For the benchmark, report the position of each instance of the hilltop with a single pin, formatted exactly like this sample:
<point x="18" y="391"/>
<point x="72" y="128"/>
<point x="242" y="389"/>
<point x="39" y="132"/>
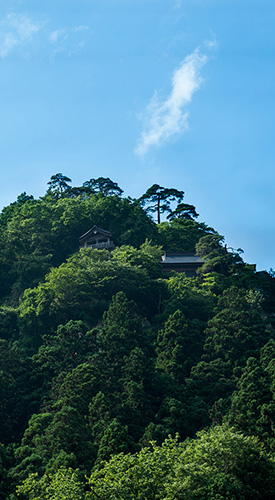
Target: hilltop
<point x="103" y="353"/>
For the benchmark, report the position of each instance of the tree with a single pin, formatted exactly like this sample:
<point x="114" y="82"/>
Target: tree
<point x="147" y="257"/>
<point x="52" y="440"/>
<point x="237" y="331"/>
<point x="10" y="211"/>
<point x="252" y="404"/>
<point x="11" y="400"/>
<point x="139" y="387"/>
<point x="189" y="296"/>
<point x="103" y="185"/>
<point x="173" y="415"/>
<point x="71" y="346"/>
<point x="59" y="183"/>
<point x="183" y="211"/>
<point x="32" y="453"/>
<point x="216" y="256"/>
<point x="6" y="460"/>
<point x="252" y="395"/>
<point x="114" y="440"/>
<point x="159" y="199"/>
<point x="207" y="383"/>
<point x="224" y="464"/>
<point x="100" y="411"/>
<point x="77" y="388"/>
<point x="219" y="464"/>
<point x="39" y="234"/>
<point x="65" y="484"/>
<point x="82" y="288"/>
<point x="181" y="234"/>
<point x="179" y="346"/>
<point x="128" y="477"/>
<point x="121" y="332"/>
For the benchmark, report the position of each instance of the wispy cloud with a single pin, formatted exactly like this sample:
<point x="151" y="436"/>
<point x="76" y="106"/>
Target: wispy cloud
<point x="58" y="34"/>
<point x="164" y="119"/>
<point x="177" y="4"/>
<point x="16" y="30"/>
<point x="67" y="40"/>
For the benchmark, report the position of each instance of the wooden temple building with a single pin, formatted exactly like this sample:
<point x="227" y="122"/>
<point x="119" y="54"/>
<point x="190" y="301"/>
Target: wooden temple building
<point x="97" y="238"/>
<point x="181" y="262"/>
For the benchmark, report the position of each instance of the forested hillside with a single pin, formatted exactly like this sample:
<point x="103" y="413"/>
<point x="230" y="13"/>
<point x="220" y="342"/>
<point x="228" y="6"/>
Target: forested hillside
<point x="118" y="381"/>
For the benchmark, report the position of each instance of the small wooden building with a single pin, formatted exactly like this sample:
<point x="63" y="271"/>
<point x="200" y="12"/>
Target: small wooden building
<point x="181" y="262"/>
<point x="97" y="238"/>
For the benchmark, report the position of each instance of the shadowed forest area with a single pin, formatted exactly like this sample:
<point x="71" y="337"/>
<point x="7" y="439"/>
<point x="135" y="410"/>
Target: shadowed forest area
<point x="119" y="381"/>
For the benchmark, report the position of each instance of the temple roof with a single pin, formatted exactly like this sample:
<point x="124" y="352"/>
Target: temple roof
<point x="95" y="230"/>
<point x="181" y="258"/>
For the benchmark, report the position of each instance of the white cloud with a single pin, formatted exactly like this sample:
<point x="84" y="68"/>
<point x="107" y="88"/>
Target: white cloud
<point x="67" y="40"/>
<point x="15" y="30"/>
<point x="211" y="44"/>
<point x="57" y="34"/>
<point x="177" y="4"/>
<point x="165" y="119"/>
<point x="81" y="28"/>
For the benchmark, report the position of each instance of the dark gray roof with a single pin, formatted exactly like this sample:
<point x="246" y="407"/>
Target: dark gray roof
<point x="95" y="230"/>
<point x="181" y="258"/>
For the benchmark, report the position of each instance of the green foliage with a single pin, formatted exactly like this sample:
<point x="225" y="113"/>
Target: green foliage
<point x="121" y="327"/>
<point x="12" y="380"/>
<point x="143" y="475"/>
<point x="71" y="346"/>
<point x="173" y="415"/>
<point x="37" y="234"/>
<point x="220" y="464"/>
<point x="100" y="353"/>
<point x="53" y="440"/>
<point x="65" y="484"/>
<point x="8" y="322"/>
<point x="252" y="407"/>
<point x="81" y="289"/>
<point x="77" y="388"/>
<point x="103" y="185"/>
<point x="237" y="330"/>
<point x="183" y="211"/>
<point x="211" y="380"/>
<point x="191" y="297"/>
<point x="32" y="455"/>
<point x="11" y="210"/>
<point x="181" y="235"/>
<point x="6" y="462"/>
<point x="59" y="183"/>
<point x="114" y="440"/>
<point x="147" y="257"/>
<point x="159" y="199"/>
<point x="138" y="398"/>
<point x="179" y="346"/>
<point x="216" y="256"/>
<point x="100" y="411"/>
<point x="207" y="384"/>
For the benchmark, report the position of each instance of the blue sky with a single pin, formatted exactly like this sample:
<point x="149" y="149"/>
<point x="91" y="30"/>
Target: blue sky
<point x="174" y="92"/>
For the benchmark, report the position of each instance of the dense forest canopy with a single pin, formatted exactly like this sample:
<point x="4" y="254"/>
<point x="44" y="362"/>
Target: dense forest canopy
<point x="118" y="381"/>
